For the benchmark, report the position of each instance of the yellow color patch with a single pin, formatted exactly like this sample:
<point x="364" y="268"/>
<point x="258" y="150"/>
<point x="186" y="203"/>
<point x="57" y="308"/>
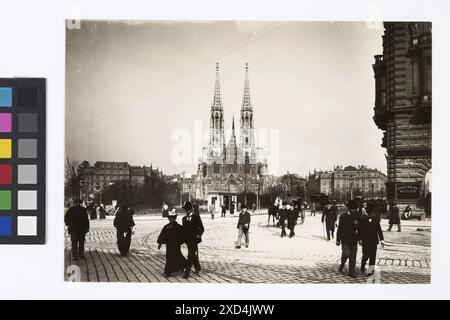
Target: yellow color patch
<point x="5" y="148"/>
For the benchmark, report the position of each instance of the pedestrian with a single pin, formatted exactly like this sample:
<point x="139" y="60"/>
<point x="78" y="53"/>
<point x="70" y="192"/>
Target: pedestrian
<point x="243" y="226"/>
<point x="370" y="235"/>
<point x="394" y="217"/>
<point x="193" y="229"/>
<point x="91" y="209"/>
<point x="165" y="210"/>
<point x="224" y="211"/>
<point x="196" y="209"/>
<point x="102" y="211"/>
<point x="313" y="209"/>
<point x="283" y="218"/>
<point x="124" y="224"/>
<point x="407" y="213"/>
<point x="378" y="208"/>
<point x="364" y="209"/>
<point x="77" y="221"/>
<point x="212" y="208"/>
<point x="292" y="216"/>
<point x="232" y="207"/>
<point x="254" y="207"/>
<point x="329" y="217"/>
<point x="347" y="237"/>
<point x="173" y="236"/>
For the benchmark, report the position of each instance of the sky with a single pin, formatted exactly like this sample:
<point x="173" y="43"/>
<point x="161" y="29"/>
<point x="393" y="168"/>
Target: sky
<point x="141" y="91"/>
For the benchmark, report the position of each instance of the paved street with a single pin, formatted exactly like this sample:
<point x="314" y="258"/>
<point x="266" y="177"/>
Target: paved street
<point x="306" y="258"/>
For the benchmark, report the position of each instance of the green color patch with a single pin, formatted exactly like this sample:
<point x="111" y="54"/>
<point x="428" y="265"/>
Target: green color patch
<point x="5" y="200"/>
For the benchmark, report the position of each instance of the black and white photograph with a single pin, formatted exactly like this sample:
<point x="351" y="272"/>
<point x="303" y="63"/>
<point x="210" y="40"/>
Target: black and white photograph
<point x="248" y="152"/>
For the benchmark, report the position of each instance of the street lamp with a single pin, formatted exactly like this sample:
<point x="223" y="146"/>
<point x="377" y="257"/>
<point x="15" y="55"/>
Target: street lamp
<point x="351" y="187"/>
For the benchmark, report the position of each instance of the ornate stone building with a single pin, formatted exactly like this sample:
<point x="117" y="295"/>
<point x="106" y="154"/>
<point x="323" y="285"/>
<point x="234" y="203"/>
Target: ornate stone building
<point x="97" y="177"/>
<point x="403" y="108"/>
<point x="343" y="184"/>
<point x="227" y="169"/>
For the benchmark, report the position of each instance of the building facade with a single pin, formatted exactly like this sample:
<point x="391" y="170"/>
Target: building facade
<point x="403" y="108"/>
<point x="343" y="184"/>
<point x="227" y="169"/>
<point x="97" y="177"/>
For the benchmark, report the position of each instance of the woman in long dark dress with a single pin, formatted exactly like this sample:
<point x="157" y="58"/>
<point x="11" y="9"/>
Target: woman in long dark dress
<point x="172" y="235"/>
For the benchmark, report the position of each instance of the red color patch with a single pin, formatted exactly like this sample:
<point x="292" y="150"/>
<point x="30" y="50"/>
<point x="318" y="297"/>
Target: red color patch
<point x="5" y="174"/>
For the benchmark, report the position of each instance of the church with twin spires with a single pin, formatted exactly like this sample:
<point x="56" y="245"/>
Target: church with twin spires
<point x="227" y="169"/>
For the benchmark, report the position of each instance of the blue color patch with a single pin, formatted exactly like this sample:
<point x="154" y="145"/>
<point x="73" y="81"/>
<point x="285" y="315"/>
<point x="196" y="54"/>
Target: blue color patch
<point x="5" y="226"/>
<point x="5" y="97"/>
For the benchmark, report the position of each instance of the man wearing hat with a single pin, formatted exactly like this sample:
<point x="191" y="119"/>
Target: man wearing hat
<point x="394" y="217"/>
<point x="329" y="218"/>
<point x="347" y="237"/>
<point x="243" y="226"/>
<point x="77" y="221"/>
<point x="292" y="216"/>
<point x="124" y="224"/>
<point x="370" y="235"/>
<point x="172" y="235"/>
<point x="193" y="230"/>
<point x="283" y="214"/>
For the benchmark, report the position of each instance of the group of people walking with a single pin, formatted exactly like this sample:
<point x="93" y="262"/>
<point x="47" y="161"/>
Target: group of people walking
<point x="173" y="235"/>
<point x="287" y="214"/>
<point x="77" y="222"/>
<point x="357" y="225"/>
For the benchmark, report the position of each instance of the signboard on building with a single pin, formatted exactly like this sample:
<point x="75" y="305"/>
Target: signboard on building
<point x="408" y="191"/>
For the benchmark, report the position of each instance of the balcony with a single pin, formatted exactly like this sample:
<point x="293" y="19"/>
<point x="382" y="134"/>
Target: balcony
<point x="380" y="118"/>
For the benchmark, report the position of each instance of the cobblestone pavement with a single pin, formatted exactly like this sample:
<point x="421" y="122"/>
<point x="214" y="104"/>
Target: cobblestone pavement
<point x="306" y="258"/>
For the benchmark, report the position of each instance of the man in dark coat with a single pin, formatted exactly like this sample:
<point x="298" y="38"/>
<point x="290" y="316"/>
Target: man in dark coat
<point x="124" y="224"/>
<point x="370" y="235"/>
<point x="172" y="235"/>
<point x="347" y="237"/>
<point x="91" y="209"/>
<point x="394" y="217"/>
<point x="329" y="217"/>
<point x="224" y="211"/>
<point x="193" y="229"/>
<point x="77" y="221"/>
<point x="243" y="226"/>
<point x="292" y="216"/>
<point x="232" y="207"/>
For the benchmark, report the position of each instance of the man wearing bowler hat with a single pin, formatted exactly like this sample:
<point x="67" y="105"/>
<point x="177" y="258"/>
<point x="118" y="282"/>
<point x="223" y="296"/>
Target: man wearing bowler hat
<point x="193" y="229"/>
<point x="77" y="221"/>
<point x="243" y="226"/>
<point x="347" y="237"/>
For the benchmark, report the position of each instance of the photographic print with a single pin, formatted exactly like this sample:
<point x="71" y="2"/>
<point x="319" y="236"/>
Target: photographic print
<point x="248" y="152"/>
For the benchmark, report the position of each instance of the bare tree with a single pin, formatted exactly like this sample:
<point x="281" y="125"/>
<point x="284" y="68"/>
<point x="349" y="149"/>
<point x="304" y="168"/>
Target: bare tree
<point x="72" y="177"/>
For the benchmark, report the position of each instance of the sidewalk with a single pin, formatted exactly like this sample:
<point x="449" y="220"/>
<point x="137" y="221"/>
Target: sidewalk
<point x="306" y="258"/>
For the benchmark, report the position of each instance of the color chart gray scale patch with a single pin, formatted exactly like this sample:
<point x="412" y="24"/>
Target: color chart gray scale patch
<point x="22" y="160"/>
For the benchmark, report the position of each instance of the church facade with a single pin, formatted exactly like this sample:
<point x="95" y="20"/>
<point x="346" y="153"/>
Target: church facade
<point x="229" y="168"/>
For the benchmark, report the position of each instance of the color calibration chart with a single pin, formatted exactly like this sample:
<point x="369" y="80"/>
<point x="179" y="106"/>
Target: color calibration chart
<point x="22" y="160"/>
